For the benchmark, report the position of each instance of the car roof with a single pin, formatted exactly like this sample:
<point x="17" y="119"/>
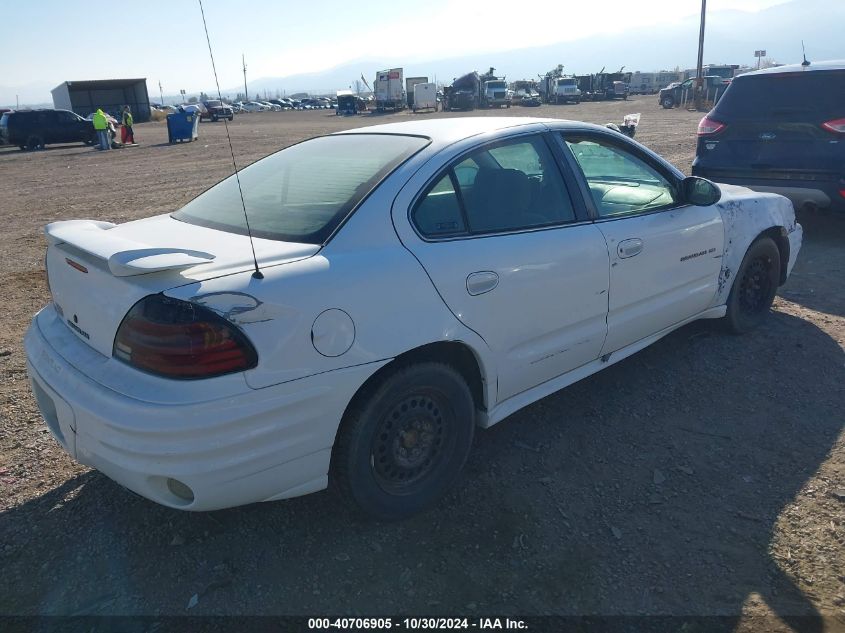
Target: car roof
<point x="450" y="130"/>
<point x="833" y="64"/>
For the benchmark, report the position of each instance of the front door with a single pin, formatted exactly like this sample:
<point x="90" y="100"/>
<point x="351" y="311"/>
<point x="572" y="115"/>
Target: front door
<point x="665" y="256"/>
<point x="499" y="236"/>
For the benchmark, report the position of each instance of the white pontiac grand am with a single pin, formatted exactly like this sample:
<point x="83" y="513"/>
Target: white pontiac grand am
<point x="416" y="280"/>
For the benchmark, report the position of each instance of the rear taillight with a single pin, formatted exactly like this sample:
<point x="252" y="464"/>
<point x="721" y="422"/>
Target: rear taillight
<point x="708" y="126"/>
<point x="179" y="339"/>
<point x="836" y="126"/>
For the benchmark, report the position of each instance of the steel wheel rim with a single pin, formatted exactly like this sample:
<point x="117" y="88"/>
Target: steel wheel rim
<point x="411" y="442"/>
<point x="755" y="287"/>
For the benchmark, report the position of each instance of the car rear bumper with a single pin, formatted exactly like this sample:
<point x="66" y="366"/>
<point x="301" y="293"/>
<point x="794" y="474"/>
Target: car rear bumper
<point x="819" y="190"/>
<point x="261" y="445"/>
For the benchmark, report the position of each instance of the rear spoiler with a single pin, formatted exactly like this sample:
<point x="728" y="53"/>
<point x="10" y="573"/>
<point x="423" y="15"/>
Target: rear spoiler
<point x="125" y="257"/>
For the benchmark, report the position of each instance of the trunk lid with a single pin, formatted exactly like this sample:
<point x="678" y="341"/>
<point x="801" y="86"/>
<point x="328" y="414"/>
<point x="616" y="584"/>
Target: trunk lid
<point x="97" y="271"/>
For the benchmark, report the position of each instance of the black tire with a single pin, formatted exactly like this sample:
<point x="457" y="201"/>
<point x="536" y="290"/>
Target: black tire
<point x="404" y="443"/>
<point x="214" y="118"/>
<point x="668" y="103"/>
<point x="34" y="142"/>
<point x="754" y="287"/>
<point x="231" y="117"/>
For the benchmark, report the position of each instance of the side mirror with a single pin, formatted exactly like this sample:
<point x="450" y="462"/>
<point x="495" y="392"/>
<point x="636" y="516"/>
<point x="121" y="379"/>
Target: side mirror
<point x="700" y="191"/>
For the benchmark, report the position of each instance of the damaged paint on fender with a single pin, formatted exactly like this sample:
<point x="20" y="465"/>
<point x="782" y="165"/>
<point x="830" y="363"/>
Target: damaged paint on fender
<point x="745" y="215"/>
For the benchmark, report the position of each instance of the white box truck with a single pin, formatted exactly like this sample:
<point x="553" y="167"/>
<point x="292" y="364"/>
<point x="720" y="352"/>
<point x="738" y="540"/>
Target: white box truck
<point x="389" y="90"/>
<point x="410" y="82"/>
<point x="425" y="97"/>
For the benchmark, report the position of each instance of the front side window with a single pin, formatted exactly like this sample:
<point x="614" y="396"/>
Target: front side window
<point x="302" y="193"/>
<point x="504" y="187"/>
<point x="620" y="183"/>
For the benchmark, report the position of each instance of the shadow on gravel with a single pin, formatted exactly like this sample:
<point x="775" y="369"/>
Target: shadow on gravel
<point x="816" y="282"/>
<point x="652" y="488"/>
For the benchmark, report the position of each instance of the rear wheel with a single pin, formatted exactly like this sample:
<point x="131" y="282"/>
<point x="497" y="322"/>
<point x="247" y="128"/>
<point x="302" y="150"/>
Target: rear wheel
<point x="754" y="287"/>
<point x="402" y="447"/>
<point x="34" y="142"/>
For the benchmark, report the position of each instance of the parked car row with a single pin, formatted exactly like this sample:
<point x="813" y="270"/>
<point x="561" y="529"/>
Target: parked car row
<point x="277" y="105"/>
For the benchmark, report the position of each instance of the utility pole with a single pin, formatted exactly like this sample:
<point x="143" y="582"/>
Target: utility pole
<point x="246" y="92"/>
<point x="160" y="92"/>
<point x="699" y="80"/>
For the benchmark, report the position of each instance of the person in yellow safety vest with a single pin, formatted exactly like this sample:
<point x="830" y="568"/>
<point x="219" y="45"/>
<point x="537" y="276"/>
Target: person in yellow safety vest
<point x="127" y="135"/>
<point x="101" y="126"/>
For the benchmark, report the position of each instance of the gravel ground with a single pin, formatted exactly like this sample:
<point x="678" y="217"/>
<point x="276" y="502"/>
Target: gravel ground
<point x="704" y="475"/>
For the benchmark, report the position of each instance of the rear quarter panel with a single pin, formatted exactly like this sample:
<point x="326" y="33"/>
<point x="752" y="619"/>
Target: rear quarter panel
<point x="365" y="272"/>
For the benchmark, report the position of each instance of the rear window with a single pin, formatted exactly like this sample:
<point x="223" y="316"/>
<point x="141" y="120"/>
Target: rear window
<point x="813" y="94"/>
<point x="302" y="193"/>
<point x="4" y="120"/>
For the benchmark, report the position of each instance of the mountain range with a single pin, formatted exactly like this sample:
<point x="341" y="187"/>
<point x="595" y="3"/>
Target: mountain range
<point x="731" y="37"/>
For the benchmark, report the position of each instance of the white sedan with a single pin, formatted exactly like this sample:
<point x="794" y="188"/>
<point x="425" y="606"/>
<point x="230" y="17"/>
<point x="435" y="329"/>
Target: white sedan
<point x="411" y="281"/>
<point x="254" y="106"/>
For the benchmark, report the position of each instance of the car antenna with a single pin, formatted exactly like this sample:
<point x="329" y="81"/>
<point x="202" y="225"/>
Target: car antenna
<point x="257" y="274"/>
<point x="805" y="63"/>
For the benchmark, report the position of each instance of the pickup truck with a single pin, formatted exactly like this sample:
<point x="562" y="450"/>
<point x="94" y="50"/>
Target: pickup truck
<point x="216" y="110"/>
<point x="673" y="94"/>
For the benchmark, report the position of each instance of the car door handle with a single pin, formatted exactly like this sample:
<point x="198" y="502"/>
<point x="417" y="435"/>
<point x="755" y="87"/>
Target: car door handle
<point x="629" y="248"/>
<point x="481" y="282"/>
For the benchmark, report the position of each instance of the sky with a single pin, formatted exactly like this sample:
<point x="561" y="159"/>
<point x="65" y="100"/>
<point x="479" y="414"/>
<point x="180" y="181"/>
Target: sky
<point x="165" y="42"/>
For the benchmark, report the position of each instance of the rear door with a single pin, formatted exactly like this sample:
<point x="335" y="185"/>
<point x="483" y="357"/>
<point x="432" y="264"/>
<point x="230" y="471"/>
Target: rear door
<point x="512" y="256"/>
<point x="774" y="126"/>
<point x="68" y="129"/>
<point x="665" y="256"/>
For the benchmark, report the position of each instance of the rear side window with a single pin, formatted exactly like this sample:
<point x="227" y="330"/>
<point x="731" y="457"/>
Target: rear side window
<point x="302" y="193"/>
<point x="504" y="187"/>
<point x="811" y="93"/>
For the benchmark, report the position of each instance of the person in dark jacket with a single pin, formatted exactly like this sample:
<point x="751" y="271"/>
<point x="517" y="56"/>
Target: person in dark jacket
<point x="127" y="135"/>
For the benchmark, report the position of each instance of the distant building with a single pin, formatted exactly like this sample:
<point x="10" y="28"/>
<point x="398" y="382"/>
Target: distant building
<point x="84" y="97"/>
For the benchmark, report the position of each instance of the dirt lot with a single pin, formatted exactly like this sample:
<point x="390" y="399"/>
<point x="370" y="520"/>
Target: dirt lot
<point x="697" y="477"/>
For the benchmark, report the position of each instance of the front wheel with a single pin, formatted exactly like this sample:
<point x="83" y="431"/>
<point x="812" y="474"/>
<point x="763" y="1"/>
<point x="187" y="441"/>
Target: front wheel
<point x="667" y="103"/>
<point x="401" y="448"/>
<point x="755" y="286"/>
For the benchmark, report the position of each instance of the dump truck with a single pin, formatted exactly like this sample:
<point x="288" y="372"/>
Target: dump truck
<point x="463" y="93"/>
<point x="389" y="90"/>
<point x="478" y="91"/>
